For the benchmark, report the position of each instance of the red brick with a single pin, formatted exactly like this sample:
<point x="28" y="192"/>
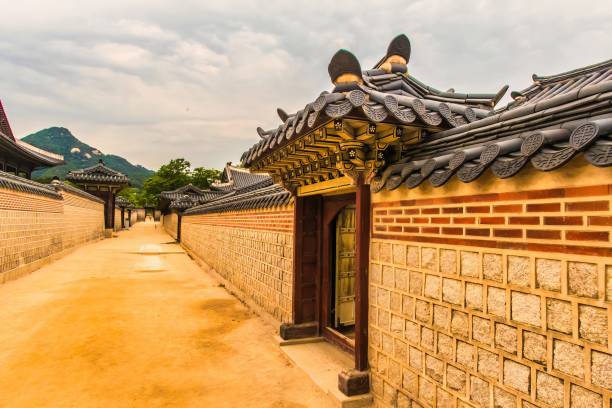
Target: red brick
<point x="587" y="235"/>
<point x="440" y="220"/>
<point x="380" y="212"/>
<point x="387" y="219"/>
<point x="551" y="193"/>
<point x="452" y="231"/>
<point x="586" y="191"/>
<point x="562" y="220"/>
<point x="524" y="220"/>
<point x="411" y="211"/>
<point x="395" y="228"/>
<point x="479" y="209"/>
<point x="377" y="219"/>
<point x="411" y="229"/>
<point x="420" y="220"/>
<point x="508" y="233"/>
<point x="452" y="210"/>
<point x="479" y="232"/>
<point x="430" y="230"/>
<point x="543" y="234"/>
<point x="403" y="220"/>
<point x="587" y="206"/>
<point x="464" y="220"/>
<point x="603" y="221"/>
<point x="544" y="207"/>
<point x="430" y="211"/>
<point x="396" y="211"/>
<point x="508" y="208"/>
<point x="492" y="220"/>
<point x="380" y="228"/>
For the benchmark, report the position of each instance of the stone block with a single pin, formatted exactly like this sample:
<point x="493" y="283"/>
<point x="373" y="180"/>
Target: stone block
<point x="517" y="376"/>
<point x="609" y="283"/>
<point x="384" y="319"/>
<point x="415" y="283"/>
<point x="503" y="399"/>
<point x="582" y="398"/>
<point x="456" y="379"/>
<point x="400" y="349"/>
<point x="473" y="296"/>
<point x="601" y="369"/>
<point x="408" y="305"/>
<point x="492" y="267"/>
<point x="488" y="363"/>
<point x="384" y="298"/>
<point x="397" y="325"/>
<point x="432" y="286"/>
<point x="459" y="323"/>
<point x="403" y="401"/>
<point x="481" y="329"/>
<point x="559" y="315"/>
<point x="388" y="279"/>
<point x="466" y="354"/>
<point x="413" y="332"/>
<point x="394" y="373"/>
<point x="422" y="311"/>
<point x="401" y="279"/>
<point x="452" y="291"/>
<point x="593" y="324"/>
<point x="427" y="389"/>
<point x="429" y="259"/>
<point x="548" y="274"/>
<point x="395" y="302"/>
<point x="412" y="256"/>
<point x="479" y="391"/>
<point x="375" y="273"/>
<point x="444" y="399"/>
<point x="506" y="337"/>
<point x="410" y="382"/>
<point x="441" y="317"/>
<point x="445" y="346"/>
<point x="427" y="338"/>
<point x="526" y="308"/>
<point x="496" y="301"/>
<point x="375" y="251"/>
<point x="534" y="347"/>
<point x="568" y="358"/>
<point x="434" y="368"/>
<point x="582" y="279"/>
<point x="518" y="270"/>
<point x="448" y="261"/>
<point x="549" y="390"/>
<point x="470" y="263"/>
<point x="387" y="343"/>
<point x="386" y="252"/>
<point x="399" y="254"/>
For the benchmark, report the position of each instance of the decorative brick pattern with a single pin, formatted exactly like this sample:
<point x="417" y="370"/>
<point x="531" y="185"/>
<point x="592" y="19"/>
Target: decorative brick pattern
<point x="253" y="250"/>
<point x="34" y="228"/>
<point x="519" y="319"/>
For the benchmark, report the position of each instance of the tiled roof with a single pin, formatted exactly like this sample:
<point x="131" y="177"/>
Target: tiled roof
<point x="123" y="202"/>
<point x="547" y="125"/>
<point x="16" y="183"/>
<point x="234" y="177"/>
<point x="266" y="197"/>
<point x="380" y="95"/>
<point x="99" y="173"/>
<point x="61" y="186"/>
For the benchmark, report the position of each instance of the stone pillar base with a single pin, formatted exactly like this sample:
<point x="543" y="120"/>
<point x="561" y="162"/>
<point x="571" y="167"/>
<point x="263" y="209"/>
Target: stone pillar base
<point x="289" y="331"/>
<point x="353" y="382"/>
<point x="108" y="233"/>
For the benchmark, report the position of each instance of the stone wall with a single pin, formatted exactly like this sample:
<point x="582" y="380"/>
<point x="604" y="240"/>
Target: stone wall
<point x="117" y="225"/>
<point x="252" y="250"/>
<point x="495" y="293"/>
<point x="170" y="223"/>
<point x="35" y="228"/>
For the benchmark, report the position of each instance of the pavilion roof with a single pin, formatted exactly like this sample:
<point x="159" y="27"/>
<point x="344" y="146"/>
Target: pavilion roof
<point x="547" y="124"/>
<point x="98" y="174"/>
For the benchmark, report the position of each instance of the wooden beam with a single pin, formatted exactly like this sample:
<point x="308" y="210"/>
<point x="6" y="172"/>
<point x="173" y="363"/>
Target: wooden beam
<point x="363" y="207"/>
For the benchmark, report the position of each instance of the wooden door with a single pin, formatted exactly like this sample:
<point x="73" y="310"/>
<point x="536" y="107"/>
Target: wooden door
<point x="345" y="268"/>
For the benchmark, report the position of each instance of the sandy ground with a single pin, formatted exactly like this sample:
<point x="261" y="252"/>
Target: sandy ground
<point x="118" y="324"/>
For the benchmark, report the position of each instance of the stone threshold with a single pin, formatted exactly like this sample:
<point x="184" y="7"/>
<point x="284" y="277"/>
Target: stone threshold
<point x="322" y="362"/>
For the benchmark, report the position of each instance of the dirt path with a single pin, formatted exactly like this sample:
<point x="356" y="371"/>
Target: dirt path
<point x="110" y="326"/>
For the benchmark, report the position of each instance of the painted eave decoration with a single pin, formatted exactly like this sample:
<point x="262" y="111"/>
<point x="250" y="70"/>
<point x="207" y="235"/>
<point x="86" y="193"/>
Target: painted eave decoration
<point x="98" y="174"/>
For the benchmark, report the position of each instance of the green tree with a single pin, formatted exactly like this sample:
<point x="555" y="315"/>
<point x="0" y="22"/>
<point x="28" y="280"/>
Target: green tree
<point x="170" y="176"/>
<point x="202" y="177"/>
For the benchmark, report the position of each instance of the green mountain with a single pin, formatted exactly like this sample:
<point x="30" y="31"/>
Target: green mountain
<point x="78" y="155"/>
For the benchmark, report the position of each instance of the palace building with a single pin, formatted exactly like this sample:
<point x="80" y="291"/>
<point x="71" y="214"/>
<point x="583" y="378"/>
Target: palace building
<point x="458" y="252"/>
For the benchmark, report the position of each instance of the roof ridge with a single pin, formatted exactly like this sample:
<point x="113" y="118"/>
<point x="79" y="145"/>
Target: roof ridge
<point x="572" y="72"/>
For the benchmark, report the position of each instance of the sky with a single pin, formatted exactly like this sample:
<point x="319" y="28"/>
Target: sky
<point x="154" y="80"/>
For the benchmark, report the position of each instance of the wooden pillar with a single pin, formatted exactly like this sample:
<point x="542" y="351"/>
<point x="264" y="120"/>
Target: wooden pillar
<point x="362" y="260"/>
<point x="178" y="227"/>
<point x="122" y="217"/>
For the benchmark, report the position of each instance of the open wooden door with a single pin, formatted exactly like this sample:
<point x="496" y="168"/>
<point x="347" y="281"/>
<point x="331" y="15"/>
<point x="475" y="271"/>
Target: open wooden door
<point x="345" y="268"/>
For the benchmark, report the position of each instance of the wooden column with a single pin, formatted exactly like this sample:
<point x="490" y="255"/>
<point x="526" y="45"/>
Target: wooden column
<point x="362" y="260"/>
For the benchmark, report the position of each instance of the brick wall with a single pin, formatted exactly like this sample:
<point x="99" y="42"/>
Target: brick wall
<point x="117" y="221"/>
<point x="252" y="250"/>
<point x="34" y="228"/>
<point x="170" y="223"/>
<point x="495" y="293"/>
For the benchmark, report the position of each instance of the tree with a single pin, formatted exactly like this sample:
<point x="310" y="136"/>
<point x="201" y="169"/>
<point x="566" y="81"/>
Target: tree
<point x="202" y="177"/>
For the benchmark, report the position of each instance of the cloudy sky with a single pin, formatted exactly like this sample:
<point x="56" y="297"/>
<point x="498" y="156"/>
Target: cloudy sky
<point x="154" y="80"/>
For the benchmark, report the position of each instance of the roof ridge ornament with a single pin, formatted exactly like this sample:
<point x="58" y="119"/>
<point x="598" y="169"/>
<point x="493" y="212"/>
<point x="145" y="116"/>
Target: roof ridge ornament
<point x="344" y="68"/>
<point x="397" y="57"/>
